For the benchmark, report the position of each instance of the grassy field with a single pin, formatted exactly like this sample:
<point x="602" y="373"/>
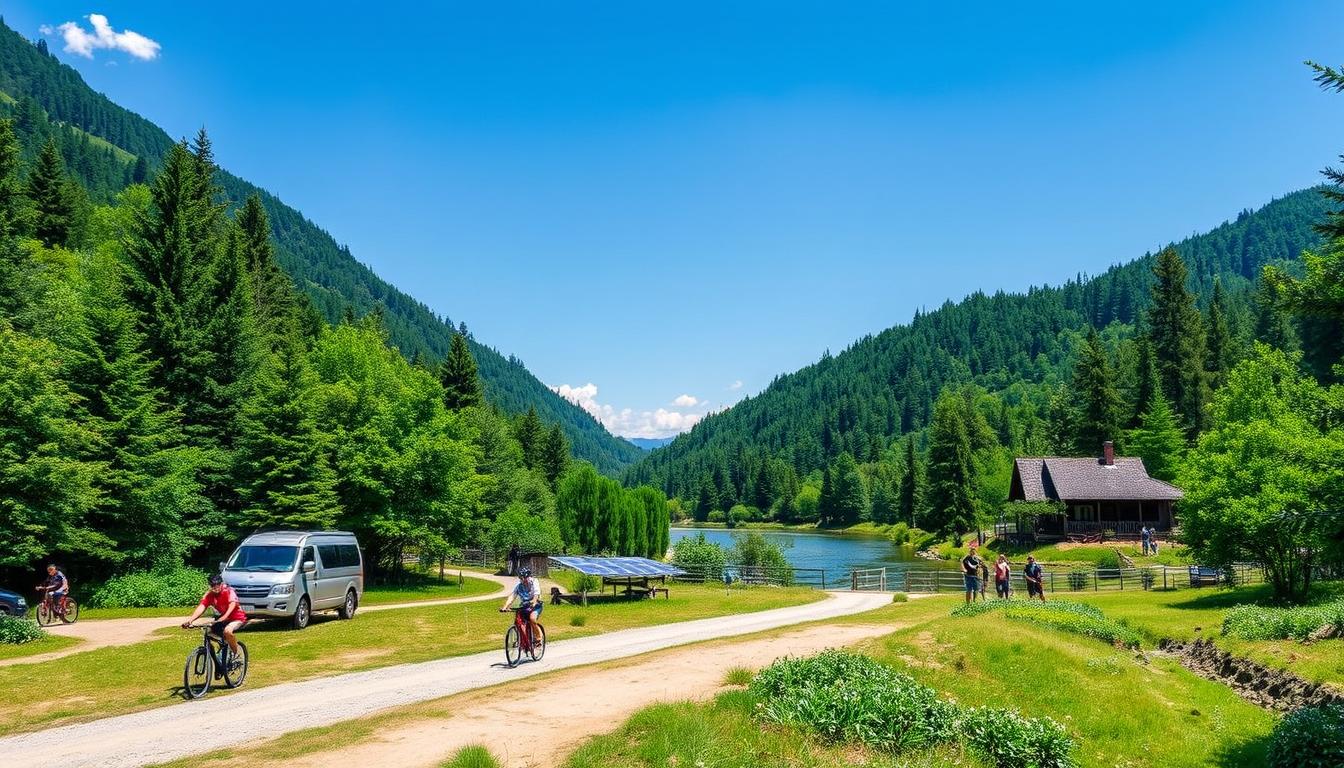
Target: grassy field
<point x="1065" y="553"/>
<point x="111" y="681"/>
<point x="45" y="645"/>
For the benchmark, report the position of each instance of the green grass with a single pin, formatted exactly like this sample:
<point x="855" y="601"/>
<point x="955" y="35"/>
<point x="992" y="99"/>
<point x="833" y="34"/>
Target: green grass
<point x="471" y="757"/>
<point x="1095" y="555"/>
<point x="110" y="681"/>
<point x="429" y="589"/>
<point x="1079" y="618"/>
<point x="738" y="676"/>
<point x="45" y="645"/>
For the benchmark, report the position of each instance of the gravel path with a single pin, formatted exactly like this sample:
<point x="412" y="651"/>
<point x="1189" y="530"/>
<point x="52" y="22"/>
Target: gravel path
<point x="188" y="728"/>
<point x="102" y="633"/>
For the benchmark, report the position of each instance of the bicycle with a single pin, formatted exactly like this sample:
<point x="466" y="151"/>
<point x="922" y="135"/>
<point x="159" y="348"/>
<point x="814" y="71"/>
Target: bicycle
<point x="210" y="661"/>
<point x="518" y="639"/>
<point x="49" y="610"/>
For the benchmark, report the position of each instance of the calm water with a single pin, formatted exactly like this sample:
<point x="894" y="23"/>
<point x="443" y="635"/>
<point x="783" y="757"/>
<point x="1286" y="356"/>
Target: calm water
<point x="837" y="554"/>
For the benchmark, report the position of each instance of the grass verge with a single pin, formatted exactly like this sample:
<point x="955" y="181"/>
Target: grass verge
<point x="111" y="681"/>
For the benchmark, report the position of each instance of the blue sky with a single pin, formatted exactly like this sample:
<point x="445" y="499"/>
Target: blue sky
<point x="654" y="205"/>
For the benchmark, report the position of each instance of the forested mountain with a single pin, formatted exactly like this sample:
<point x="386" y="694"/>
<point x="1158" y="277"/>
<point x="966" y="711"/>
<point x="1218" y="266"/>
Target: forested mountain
<point x="1019" y="352"/>
<point x="107" y="147"/>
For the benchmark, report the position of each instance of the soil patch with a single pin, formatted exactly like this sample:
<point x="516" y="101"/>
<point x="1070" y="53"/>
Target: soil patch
<point x="1267" y="687"/>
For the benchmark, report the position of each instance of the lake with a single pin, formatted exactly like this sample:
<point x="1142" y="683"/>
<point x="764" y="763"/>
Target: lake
<point x="836" y="554"/>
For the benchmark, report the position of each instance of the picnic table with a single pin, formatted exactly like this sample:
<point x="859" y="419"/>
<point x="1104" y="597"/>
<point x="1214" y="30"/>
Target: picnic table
<point x="635" y="586"/>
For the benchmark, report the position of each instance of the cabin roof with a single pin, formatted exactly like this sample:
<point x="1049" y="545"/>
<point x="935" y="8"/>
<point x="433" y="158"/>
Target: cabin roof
<point x="1060" y="478"/>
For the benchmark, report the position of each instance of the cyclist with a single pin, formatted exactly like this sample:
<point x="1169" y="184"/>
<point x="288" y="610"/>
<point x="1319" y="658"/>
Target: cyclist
<point x="57" y="585"/>
<point x="224" y="600"/>
<point x="528" y="594"/>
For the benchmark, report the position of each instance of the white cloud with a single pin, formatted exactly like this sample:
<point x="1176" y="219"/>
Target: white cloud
<point x="628" y="422"/>
<point x="736" y="385"/>
<point x="686" y="401"/>
<point x="82" y="42"/>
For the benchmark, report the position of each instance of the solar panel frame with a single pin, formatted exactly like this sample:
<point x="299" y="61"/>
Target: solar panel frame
<point x="617" y="567"/>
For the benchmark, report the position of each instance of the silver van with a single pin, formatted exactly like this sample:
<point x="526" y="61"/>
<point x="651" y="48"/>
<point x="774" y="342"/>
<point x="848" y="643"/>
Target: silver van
<point x="290" y="574"/>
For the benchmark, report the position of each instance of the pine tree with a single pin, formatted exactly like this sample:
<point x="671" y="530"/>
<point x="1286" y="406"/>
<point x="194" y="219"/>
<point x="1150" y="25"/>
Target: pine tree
<point x="284" y="476"/>
<point x="554" y="455"/>
<point x="273" y="302"/>
<point x="849" y="499"/>
<point x="1218" y="335"/>
<point x="1273" y="325"/>
<point x="12" y="201"/>
<point x="826" y="506"/>
<point x="1098" y="404"/>
<point x="952" y="472"/>
<point x="1148" y="382"/>
<point x="910" y="485"/>
<point x="1177" y="335"/>
<point x="52" y="199"/>
<point x="457" y="373"/>
<point x="531" y="437"/>
<point x="1158" y="440"/>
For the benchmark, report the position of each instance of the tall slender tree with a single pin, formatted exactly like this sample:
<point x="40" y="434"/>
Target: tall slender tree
<point x="952" y="473"/>
<point x="12" y="200"/>
<point x="910" y="484"/>
<point x="53" y="201"/>
<point x="1219" y="351"/>
<point x="274" y="305"/>
<point x="1177" y="335"/>
<point x="457" y="373"/>
<point x="1273" y="325"/>
<point x="554" y="455"/>
<point x="1098" y="403"/>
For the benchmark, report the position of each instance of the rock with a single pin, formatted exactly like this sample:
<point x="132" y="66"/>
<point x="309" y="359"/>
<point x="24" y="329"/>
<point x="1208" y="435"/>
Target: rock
<point x="1327" y="632"/>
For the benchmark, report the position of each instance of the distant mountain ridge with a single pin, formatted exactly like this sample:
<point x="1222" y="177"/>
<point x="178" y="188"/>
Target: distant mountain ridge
<point x="649" y="443"/>
<point x="883" y="386"/>
<point x="323" y="269"/>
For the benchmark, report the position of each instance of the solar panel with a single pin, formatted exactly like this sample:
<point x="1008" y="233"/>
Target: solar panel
<point x="618" y="567"/>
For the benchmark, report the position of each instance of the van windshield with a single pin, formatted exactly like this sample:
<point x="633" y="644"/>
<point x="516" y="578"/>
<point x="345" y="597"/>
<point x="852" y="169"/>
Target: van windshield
<point x="264" y="558"/>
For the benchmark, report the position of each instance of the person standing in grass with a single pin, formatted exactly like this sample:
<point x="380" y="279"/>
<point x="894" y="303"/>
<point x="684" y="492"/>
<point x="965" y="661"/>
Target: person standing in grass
<point x="1035" y="579"/>
<point x="1147" y="537"/>
<point x="970" y="569"/>
<point x="984" y="577"/>
<point x="1002" y="574"/>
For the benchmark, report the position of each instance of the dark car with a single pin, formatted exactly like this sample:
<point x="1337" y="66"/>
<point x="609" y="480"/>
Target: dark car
<point x="12" y="604"/>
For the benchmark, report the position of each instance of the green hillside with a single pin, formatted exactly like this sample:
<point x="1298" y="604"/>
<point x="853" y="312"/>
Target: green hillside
<point x="103" y="143"/>
<point x="1017" y="346"/>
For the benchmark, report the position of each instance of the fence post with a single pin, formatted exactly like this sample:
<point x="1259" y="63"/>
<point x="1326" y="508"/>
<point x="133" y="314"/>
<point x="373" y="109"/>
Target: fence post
<point x="1122" y="579"/>
<point x="1052" y="582"/>
<point x="882" y="580"/>
<point x="853" y="581"/>
<point x="1164" y="578"/>
<point x="1096" y="579"/>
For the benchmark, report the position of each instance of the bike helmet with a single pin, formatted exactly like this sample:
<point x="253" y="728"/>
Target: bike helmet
<point x="525" y="572"/>
<point x="215" y="580"/>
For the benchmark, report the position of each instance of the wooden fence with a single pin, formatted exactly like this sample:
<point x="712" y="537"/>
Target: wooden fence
<point x="926" y="580"/>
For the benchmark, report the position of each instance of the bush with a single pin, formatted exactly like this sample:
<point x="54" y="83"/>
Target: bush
<point x="579" y="582"/>
<point x="718" y="516"/>
<point x="1078" y="618"/>
<point x="163" y="588"/>
<point x="899" y="533"/>
<point x="1108" y="559"/>
<point x="1146" y="578"/>
<point x="899" y="597"/>
<point x="1255" y="622"/>
<point x="699" y="556"/>
<point x="1079" y="579"/>
<point x="17" y="631"/>
<point x="1311" y="737"/>
<point x="754" y="551"/>
<point x="578" y="620"/>
<point x="847" y="697"/>
<point x="531" y="533"/>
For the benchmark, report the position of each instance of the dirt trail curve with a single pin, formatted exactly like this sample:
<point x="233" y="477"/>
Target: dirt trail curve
<point x="251" y="715"/>
<point x="102" y="633"/>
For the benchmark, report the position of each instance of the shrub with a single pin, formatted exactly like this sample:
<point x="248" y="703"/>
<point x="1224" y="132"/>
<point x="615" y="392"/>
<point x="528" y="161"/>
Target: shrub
<point x="162" y="588"/>
<point x="17" y="631"/>
<point x="1079" y="579"/>
<point x="1108" y="559"/>
<point x="531" y="533"/>
<point x="847" y="697"/>
<point x="700" y="556"/>
<point x="899" y="597"/>
<point x="579" y="582"/>
<point x="1078" y="618"/>
<point x="578" y="620"/>
<point x="1146" y="578"/>
<point x="899" y="533"/>
<point x="755" y="551"/>
<point x="1255" y="622"/>
<point x="1311" y="737"/>
<point x="738" y="676"/>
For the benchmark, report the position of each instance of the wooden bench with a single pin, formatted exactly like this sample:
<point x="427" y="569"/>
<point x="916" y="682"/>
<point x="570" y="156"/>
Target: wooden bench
<point x="654" y="593"/>
<point x="558" y="597"/>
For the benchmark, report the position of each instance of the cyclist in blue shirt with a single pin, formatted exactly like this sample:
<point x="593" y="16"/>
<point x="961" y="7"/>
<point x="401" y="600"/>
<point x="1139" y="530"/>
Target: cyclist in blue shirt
<point x="528" y="594"/>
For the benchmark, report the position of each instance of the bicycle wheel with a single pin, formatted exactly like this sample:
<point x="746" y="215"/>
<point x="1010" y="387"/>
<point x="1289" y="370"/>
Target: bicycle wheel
<point x="44" y="617"/>
<point x="70" y="611"/>
<point x="513" y="652"/>
<point x="539" y="644"/>
<point x="234" y="676"/>
<point x="197" y="674"/>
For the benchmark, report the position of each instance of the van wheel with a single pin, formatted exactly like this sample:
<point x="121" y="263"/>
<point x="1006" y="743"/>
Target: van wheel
<point x="347" y="609"/>
<point x="302" y="614"/>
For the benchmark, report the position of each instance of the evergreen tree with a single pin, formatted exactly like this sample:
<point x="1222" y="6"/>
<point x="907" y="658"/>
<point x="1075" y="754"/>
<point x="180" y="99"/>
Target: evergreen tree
<point x="457" y="373"/>
<point x="284" y="476"/>
<point x="1218" y="345"/>
<point x="12" y="201"/>
<point x="849" y="500"/>
<point x="53" y="202"/>
<point x="1273" y="325"/>
<point x="578" y="508"/>
<point x="1158" y="440"/>
<point x="826" y="514"/>
<point x="1148" y="384"/>
<point x="952" y="473"/>
<point x="910" y="485"/>
<point x="554" y="455"/>
<point x="1332" y="228"/>
<point x="1177" y="335"/>
<point x="1098" y="404"/>
<point x="531" y="437"/>
<point x="274" y="307"/>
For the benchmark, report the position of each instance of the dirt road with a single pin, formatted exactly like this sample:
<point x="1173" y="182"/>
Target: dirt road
<point x="101" y="633"/>
<point x="249" y="716"/>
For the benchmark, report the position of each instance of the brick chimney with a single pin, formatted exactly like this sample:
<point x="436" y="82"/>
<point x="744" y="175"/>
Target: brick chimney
<point x="1108" y="453"/>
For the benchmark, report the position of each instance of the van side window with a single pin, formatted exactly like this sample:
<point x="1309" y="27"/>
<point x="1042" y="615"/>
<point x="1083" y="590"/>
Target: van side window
<point x="350" y="555"/>
<point x="307" y="555"/>
<point x="331" y="555"/>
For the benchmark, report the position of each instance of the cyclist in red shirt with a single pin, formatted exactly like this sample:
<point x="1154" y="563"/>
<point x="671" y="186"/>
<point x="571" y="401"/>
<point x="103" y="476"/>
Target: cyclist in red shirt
<point x="224" y="600"/>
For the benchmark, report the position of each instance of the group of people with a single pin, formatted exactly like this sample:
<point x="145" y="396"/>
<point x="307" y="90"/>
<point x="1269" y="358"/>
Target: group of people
<point x="1149" y="537"/>
<point x="976" y="572"/>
